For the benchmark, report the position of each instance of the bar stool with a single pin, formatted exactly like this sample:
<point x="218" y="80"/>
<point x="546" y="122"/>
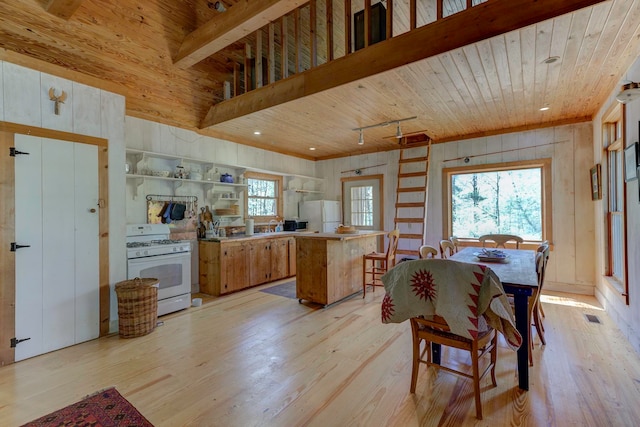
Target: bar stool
<point x="375" y="264"/>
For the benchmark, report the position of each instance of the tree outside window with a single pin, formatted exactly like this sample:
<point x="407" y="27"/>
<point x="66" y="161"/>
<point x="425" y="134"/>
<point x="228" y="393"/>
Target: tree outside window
<point x="511" y="199"/>
<point x="264" y="196"/>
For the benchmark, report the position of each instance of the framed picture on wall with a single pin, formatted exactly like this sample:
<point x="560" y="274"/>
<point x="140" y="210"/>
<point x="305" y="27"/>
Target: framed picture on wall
<point x="596" y="190"/>
<point x="631" y="162"/>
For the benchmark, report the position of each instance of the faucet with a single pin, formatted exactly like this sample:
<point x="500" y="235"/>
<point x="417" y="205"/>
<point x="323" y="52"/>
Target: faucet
<point x="269" y="226"/>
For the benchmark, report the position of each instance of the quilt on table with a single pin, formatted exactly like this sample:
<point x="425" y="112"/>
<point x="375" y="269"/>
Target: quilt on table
<point x="461" y="293"/>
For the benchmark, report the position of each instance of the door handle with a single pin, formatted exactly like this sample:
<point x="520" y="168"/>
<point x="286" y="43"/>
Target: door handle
<point x="15" y="246"/>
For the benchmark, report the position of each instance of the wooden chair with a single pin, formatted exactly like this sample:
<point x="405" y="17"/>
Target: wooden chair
<point x="456" y="243"/>
<point x="541" y="270"/>
<point x="501" y="239"/>
<point x="380" y="262"/>
<point x="437" y="331"/>
<point x="427" y="251"/>
<point x="446" y="248"/>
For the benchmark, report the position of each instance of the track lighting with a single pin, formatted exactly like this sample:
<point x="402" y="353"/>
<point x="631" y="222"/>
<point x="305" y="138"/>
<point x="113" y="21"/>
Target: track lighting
<point x="398" y="131"/>
<point x="387" y="123"/>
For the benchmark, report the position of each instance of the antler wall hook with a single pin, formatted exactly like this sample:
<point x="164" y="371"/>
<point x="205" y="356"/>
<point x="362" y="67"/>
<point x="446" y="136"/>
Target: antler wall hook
<point x="57" y="99"/>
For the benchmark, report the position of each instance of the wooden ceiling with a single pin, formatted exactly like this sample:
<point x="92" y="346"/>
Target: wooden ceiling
<point x="494" y="85"/>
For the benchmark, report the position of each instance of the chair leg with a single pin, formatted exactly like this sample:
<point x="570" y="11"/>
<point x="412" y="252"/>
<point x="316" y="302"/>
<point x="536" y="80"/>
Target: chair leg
<point x="364" y="277"/>
<point x="476" y="379"/>
<point x="494" y="358"/>
<point x="537" y="322"/>
<point x="541" y="310"/>
<point x="416" y="358"/>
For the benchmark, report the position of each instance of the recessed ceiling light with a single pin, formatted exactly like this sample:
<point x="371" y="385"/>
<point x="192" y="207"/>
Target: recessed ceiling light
<point x="312" y="148"/>
<point x="551" y="59"/>
<point x="545" y="108"/>
<point x="256" y="132"/>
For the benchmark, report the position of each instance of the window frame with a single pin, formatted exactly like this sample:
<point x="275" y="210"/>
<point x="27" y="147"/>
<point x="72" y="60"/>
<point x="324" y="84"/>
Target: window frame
<point x="613" y="128"/>
<point x="546" y="196"/>
<point x="279" y="196"/>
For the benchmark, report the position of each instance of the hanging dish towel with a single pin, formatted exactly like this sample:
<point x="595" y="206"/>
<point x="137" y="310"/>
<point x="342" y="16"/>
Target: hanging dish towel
<point x="166" y="217"/>
<point x="177" y="211"/>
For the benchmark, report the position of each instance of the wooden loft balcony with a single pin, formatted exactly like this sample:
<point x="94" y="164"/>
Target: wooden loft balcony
<point x="312" y="48"/>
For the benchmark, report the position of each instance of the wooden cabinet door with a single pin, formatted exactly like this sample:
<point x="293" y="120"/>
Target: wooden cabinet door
<point x="234" y="268"/>
<point x="292" y="256"/>
<point x="260" y="262"/>
<point x="279" y="258"/>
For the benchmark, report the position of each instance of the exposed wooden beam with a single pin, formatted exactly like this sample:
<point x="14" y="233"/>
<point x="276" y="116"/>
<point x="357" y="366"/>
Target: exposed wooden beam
<point x="272" y="53"/>
<point x="226" y="28"/>
<point x="479" y="23"/>
<point x="284" y="44"/>
<point x="258" y="68"/>
<point x="63" y="8"/>
<point x="313" y="36"/>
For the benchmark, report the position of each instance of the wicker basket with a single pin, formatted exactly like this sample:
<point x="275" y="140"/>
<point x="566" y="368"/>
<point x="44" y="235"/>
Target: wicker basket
<point x="137" y="306"/>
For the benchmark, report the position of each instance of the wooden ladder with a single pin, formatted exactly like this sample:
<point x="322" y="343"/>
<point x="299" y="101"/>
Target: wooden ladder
<point x="411" y="199"/>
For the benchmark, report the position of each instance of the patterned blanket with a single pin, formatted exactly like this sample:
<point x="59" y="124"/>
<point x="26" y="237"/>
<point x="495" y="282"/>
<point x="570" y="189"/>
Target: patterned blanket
<point x="463" y="294"/>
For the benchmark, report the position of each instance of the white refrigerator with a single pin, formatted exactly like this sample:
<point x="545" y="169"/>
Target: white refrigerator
<point x="322" y="215"/>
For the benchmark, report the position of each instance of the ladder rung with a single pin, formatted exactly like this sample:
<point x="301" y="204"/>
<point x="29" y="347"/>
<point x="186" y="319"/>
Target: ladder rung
<point x="411" y="236"/>
<point x="410" y="205"/>
<point x="411" y="174"/>
<point x="412" y="190"/>
<point x="414" y="159"/>
<point x="409" y="220"/>
<point x="406" y="252"/>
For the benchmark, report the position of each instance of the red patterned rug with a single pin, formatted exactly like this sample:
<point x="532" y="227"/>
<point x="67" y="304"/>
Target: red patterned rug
<point x="106" y="408"/>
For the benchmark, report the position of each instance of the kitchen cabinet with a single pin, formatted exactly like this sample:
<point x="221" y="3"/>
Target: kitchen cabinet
<point x="235" y="264"/>
<point x="291" y="243"/>
<point x="224" y="268"/>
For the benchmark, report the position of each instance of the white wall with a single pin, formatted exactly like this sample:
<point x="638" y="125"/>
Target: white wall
<point x="627" y="317"/>
<point x="24" y="96"/>
<point x="568" y="146"/>
<point x="160" y="138"/>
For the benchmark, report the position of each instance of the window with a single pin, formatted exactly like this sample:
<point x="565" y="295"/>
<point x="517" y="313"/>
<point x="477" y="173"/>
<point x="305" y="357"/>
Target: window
<point x="362" y="206"/>
<point x="509" y="198"/>
<point x="613" y="144"/>
<point x="264" y="196"/>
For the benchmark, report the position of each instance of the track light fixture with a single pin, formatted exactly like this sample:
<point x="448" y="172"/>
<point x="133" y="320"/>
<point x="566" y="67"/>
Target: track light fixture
<point x="398" y="131"/>
<point x="387" y="123"/>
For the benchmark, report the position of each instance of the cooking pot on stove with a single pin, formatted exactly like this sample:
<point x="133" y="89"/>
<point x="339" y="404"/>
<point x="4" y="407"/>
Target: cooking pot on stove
<point x="225" y="177"/>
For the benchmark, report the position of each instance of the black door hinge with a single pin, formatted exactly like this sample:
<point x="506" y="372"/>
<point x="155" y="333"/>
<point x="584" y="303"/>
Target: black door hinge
<point x="13" y="152"/>
<point x="15" y="341"/>
<point x="15" y="246"/>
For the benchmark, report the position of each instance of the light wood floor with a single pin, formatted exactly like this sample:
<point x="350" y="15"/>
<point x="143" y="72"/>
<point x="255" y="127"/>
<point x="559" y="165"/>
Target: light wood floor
<point x="255" y="359"/>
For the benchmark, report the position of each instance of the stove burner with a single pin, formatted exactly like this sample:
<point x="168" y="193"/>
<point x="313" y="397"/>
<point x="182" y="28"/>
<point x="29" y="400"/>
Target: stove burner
<point x="138" y="244"/>
<point x="165" y="242"/>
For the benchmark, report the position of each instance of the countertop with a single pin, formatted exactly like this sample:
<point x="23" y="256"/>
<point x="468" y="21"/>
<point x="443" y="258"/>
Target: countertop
<point x="255" y="236"/>
<point x="340" y="236"/>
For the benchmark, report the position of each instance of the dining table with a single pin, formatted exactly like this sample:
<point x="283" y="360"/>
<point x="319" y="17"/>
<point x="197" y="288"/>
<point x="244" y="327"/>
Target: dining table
<point x="517" y="272"/>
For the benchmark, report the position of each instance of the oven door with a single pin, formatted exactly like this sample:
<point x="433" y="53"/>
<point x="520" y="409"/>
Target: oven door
<point x="173" y="271"/>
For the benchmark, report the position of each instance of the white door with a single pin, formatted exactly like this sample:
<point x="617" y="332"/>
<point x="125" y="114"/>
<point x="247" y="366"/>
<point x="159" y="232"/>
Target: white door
<point x="57" y="275"/>
<point x="362" y="203"/>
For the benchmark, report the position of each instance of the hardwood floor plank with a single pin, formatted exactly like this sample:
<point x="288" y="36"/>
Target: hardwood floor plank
<point x="252" y="358"/>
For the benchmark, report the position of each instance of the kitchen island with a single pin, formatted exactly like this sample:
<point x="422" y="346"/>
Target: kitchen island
<point x="329" y="265"/>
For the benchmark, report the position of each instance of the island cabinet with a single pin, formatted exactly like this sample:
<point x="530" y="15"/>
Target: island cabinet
<point x="292" y="255"/>
<point x="329" y="265"/>
<point x="231" y="265"/>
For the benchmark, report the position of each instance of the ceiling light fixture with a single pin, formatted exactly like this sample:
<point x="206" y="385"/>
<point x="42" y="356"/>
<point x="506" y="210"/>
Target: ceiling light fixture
<point x="383" y="124"/>
<point x="256" y="132"/>
<point x="218" y="5"/>
<point x="312" y="148"/>
<point x="628" y="92"/>
<point x="545" y="108"/>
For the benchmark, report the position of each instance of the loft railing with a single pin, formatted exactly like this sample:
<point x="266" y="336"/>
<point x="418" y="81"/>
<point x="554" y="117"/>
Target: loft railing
<point x="323" y="30"/>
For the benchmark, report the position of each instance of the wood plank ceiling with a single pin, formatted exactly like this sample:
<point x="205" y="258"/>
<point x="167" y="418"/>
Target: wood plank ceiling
<point x="491" y="86"/>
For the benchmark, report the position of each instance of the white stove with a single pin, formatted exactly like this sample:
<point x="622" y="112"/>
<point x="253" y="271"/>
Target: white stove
<point x="151" y="254"/>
